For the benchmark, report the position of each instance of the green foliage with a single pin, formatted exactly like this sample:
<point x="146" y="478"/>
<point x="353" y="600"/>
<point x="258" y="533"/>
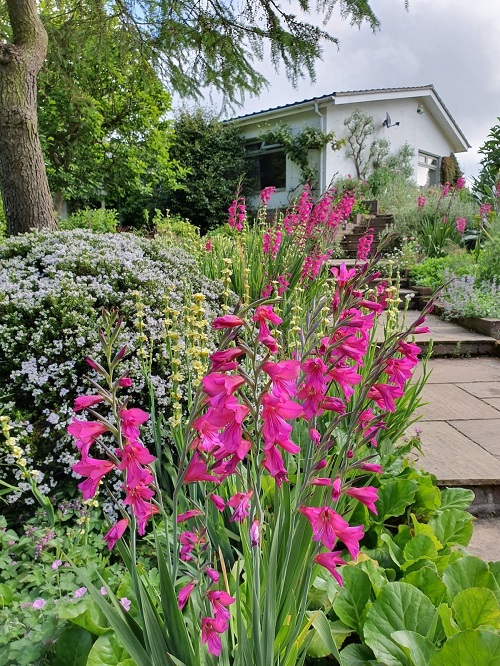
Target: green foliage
<point x="490" y="172"/>
<point x="396" y="167"/>
<point x="98" y="220"/>
<point x="213" y="154"/>
<point x="35" y="563"/>
<point x="412" y="599"/>
<point x="297" y="146"/>
<point x="432" y="272"/>
<point x="437" y="234"/>
<point x="102" y="109"/>
<point x="489" y="259"/>
<point x="450" y="169"/>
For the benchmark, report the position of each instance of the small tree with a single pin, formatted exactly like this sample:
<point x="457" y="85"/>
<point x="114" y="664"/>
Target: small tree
<point x="364" y="151"/>
<point x="490" y="172"/>
<point x="213" y="154"/>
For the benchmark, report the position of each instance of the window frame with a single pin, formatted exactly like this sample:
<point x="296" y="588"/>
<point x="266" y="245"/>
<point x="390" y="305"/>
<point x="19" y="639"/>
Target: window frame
<point x="431" y="169"/>
<point x="264" y="150"/>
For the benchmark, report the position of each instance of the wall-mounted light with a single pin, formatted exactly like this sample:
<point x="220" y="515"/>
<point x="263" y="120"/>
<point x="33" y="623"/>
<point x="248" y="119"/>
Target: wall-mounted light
<point x="420" y="109"/>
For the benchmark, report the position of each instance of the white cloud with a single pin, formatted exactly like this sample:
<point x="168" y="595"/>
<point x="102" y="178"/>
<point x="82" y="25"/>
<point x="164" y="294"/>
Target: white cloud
<point x="450" y="43"/>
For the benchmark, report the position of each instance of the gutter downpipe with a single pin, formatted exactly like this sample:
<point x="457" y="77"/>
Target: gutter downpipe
<point x="322" y="159"/>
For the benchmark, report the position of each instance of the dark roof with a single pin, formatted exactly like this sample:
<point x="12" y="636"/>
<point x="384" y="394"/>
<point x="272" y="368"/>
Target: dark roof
<point x="356" y="92"/>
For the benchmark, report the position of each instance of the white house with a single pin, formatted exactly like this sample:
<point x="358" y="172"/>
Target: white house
<point x="414" y="115"/>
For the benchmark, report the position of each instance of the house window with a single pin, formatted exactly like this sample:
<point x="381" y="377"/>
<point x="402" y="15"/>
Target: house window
<point x="428" y="170"/>
<point x="267" y="166"/>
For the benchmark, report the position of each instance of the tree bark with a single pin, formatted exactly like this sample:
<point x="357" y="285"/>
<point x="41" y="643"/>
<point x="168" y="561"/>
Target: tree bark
<point x="23" y="180"/>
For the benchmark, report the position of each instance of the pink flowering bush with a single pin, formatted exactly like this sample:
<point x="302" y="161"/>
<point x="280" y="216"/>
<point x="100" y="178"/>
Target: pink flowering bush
<point x="261" y="488"/>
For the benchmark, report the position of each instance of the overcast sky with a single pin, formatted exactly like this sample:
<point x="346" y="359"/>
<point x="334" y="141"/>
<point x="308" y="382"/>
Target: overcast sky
<point x="453" y="44"/>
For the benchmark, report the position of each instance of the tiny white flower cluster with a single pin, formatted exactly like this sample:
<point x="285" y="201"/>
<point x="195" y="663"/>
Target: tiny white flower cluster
<point x="53" y="287"/>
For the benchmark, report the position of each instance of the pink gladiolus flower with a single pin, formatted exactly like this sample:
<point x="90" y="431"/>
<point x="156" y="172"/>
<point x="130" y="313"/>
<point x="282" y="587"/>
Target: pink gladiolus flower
<point x="333" y="405"/>
<point x="125" y="382"/>
<point x="372" y="467"/>
<point x="184" y="594"/>
<point x="227" y="321"/>
<point x="95" y="366"/>
<point x="210" y="630"/>
<point x="212" y="574"/>
<point x="314" y="435"/>
<point x="384" y="395"/>
<point x="221" y="358"/>
<point x="460" y="184"/>
<point x="131" y="419"/>
<point x="217" y="501"/>
<point x="182" y="517"/>
<point x="240" y="503"/>
<point x="132" y="457"/>
<point x="139" y="498"/>
<point x="266" y="194"/>
<point x="274" y="413"/>
<point x="330" y="561"/>
<point x="460" y="223"/>
<point x="273" y="462"/>
<point x="94" y="469"/>
<point x="208" y="246"/>
<point x="342" y="274"/>
<point x="84" y="401"/>
<point x="219" y="386"/>
<point x="219" y="600"/>
<point x="255" y="533"/>
<point x="336" y="487"/>
<point x="115" y="533"/>
<point x="322" y="523"/>
<point x="284" y="377"/>
<point x="421" y="201"/>
<point x="367" y="495"/>
<point x="346" y="377"/>
<point x="197" y="471"/>
<point x="86" y="432"/>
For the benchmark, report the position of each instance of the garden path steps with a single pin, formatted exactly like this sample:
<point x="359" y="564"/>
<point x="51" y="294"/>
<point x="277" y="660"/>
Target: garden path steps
<point x="461" y="423"/>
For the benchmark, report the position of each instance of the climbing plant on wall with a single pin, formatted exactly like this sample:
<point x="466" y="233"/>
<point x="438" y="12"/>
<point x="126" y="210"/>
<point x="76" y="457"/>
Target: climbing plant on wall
<point x="298" y="146"/>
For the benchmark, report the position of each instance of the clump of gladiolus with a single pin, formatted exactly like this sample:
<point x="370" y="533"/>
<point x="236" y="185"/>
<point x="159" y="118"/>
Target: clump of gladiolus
<point x="259" y="415"/>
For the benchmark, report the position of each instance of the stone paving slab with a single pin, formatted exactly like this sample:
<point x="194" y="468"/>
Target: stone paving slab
<point x="486" y="539"/>
<point x="447" y="402"/>
<point x="485" y="433"/>
<point x="461" y="370"/>
<point x="454" y="459"/>
<point x="494" y="402"/>
<point x="482" y="389"/>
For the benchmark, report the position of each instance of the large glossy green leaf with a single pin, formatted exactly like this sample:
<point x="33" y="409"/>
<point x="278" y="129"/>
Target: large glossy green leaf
<point x="452" y="527"/>
<point x="376" y="574"/>
<point x="456" y="498"/>
<point x="398" y="607"/>
<point x="357" y="655"/>
<point x="469" y="648"/>
<point x="6" y="595"/>
<point x="419" y="548"/>
<point x="322" y="626"/>
<point x="428" y="581"/>
<point x="394" y="497"/>
<point x="353" y="596"/>
<point x="87" y="614"/>
<point x="475" y="607"/>
<point x="449" y="625"/>
<point x="466" y="572"/>
<point x="427" y="497"/>
<point x="418" y="648"/>
<point x="107" y="651"/>
<point x="72" y="647"/>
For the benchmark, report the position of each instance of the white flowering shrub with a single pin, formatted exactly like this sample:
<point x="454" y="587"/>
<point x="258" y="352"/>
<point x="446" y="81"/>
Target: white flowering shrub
<point x="53" y="287"/>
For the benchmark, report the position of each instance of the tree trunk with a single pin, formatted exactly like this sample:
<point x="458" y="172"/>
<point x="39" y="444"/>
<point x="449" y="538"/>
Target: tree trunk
<point x="23" y="180"/>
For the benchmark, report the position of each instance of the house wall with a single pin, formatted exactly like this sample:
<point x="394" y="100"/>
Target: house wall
<point x="420" y="130"/>
<point x="297" y="121"/>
